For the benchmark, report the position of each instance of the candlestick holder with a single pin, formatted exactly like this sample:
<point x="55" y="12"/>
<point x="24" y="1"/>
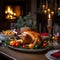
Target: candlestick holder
<point x="49" y="28"/>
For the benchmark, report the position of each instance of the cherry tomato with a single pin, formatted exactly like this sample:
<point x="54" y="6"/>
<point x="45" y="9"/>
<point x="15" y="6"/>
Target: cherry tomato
<point x="24" y="46"/>
<point x="17" y="44"/>
<point x="12" y="43"/>
<point x="44" y="44"/>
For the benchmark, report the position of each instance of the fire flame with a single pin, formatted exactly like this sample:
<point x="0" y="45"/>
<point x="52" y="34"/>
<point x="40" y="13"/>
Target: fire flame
<point x="10" y="13"/>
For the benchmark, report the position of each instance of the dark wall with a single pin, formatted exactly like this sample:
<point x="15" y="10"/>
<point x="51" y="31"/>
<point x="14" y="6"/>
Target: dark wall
<point x="42" y="19"/>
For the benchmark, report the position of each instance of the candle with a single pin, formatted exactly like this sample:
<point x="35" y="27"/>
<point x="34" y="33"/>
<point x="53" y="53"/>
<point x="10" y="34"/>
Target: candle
<point x="43" y="6"/>
<point x="49" y="20"/>
<point x="49" y="16"/>
<point x="45" y="11"/>
<point x="49" y="26"/>
<point x="49" y="10"/>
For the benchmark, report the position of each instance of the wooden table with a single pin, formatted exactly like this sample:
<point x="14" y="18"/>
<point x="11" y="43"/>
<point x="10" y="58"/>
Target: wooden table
<point x="18" y="55"/>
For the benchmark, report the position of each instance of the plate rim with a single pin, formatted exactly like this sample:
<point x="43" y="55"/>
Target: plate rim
<point x="48" y="56"/>
<point x="27" y="50"/>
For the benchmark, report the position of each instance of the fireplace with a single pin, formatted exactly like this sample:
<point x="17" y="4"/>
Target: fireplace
<point x="13" y="10"/>
<point x="10" y="12"/>
<point x="22" y="5"/>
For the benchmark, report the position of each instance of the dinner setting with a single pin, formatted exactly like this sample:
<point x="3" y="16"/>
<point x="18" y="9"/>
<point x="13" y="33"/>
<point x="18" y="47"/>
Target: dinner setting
<point x="29" y="41"/>
<point x="30" y="30"/>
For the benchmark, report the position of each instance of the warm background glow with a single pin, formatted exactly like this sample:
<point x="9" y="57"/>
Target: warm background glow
<point x="12" y="12"/>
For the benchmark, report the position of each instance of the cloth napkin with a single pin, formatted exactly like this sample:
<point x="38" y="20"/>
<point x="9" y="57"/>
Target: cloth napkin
<point x="2" y="37"/>
<point x="56" y="54"/>
<point x="58" y="37"/>
<point x="44" y="34"/>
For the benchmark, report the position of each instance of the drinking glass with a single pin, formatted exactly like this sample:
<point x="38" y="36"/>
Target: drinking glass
<point x="13" y="26"/>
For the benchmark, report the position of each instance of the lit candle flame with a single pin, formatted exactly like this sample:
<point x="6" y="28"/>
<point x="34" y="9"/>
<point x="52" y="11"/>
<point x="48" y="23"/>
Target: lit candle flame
<point x="49" y="16"/>
<point x="43" y="7"/>
<point x="48" y="10"/>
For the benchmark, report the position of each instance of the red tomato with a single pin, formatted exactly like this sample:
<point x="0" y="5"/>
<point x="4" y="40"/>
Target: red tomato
<point x="17" y="44"/>
<point x="24" y="46"/>
<point x="12" y="43"/>
<point x="44" y="44"/>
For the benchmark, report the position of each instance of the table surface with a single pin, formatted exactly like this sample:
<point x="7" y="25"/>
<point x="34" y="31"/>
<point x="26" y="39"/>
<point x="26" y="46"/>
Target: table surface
<point x="18" y="55"/>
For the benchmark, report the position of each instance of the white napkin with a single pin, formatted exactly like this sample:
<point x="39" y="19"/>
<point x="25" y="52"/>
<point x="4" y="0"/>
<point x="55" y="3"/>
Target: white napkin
<point x="2" y="37"/>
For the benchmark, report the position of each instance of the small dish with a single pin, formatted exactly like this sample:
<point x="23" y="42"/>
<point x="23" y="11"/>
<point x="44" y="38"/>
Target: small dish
<point x="49" y="57"/>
